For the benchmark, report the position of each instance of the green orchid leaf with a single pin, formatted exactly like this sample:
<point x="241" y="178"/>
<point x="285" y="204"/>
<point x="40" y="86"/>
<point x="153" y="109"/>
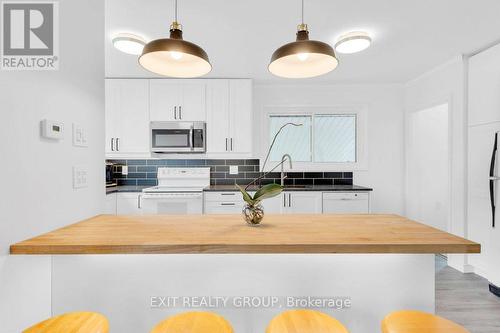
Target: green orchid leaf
<point x="247" y="197"/>
<point x="267" y="191"/>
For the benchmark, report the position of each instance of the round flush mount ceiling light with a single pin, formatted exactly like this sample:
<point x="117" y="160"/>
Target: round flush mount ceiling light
<point x="303" y="58"/>
<point x="352" y="42"/>
<point x="174" y="56"/>
<point x="129" y="43"/>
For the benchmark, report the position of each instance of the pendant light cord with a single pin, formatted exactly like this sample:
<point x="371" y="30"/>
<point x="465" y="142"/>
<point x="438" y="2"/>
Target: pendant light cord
<point x="302" y="11"/>
<point x="175" y="9"/>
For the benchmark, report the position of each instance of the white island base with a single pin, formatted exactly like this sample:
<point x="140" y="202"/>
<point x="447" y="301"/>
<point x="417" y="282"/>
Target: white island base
<point x="137" y="291"/>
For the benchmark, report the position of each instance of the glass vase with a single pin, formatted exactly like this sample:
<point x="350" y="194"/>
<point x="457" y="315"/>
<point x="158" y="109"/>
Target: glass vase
<point x="253" y="214"/>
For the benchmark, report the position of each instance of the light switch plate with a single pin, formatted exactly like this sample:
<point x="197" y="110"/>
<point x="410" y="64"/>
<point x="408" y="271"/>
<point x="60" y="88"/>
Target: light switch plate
<point x="79" y="136"/>
<point x="124" y="170"/>
<point x="80" y="174"/>
<point x="233" y="170"/>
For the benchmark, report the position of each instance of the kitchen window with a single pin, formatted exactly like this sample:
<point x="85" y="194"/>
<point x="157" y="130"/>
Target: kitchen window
<point x="327" y="140"/>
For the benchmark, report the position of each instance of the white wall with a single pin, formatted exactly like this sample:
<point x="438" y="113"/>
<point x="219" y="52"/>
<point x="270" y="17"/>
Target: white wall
<point x="37" y="194"/>
<point x="384" y="171"/>
<point x="446" y="84"/>
<point x="428" y="167"/>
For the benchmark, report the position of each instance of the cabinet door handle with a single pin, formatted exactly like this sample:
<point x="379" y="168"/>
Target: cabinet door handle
<point x="227" y="204"/>
<point x="231" y="144"/>
<point x="117" y="144"/>
<point x="112" y="144"/>
<point x="284" y="199"/>
<point x="226" y="144"/>
<point x="180" y="112"/>
<point x="175" y="112"/>
<point x="229" y="193"/>
<point x="139" y="201"/>
<point x="289" y="199"/>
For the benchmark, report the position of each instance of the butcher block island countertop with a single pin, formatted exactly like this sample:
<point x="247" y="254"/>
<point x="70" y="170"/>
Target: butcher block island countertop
<point x="367" y="233"/>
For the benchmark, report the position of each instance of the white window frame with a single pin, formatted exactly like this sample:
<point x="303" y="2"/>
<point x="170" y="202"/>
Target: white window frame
<point x="361" y="135"/>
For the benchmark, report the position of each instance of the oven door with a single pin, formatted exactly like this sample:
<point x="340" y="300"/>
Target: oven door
<point x="180" y="203"/>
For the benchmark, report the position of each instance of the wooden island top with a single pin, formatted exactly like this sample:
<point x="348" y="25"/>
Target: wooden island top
<point x="366" y="233"/>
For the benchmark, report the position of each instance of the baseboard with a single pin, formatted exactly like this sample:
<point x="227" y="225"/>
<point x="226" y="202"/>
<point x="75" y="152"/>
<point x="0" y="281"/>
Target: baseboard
<point x="468" y="268"/>
<point x="494" y="290"/>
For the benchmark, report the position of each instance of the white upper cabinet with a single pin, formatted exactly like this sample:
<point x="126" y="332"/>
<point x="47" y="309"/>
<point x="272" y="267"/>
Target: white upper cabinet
<point x="127" y="116"/>
<point x="218" y="116"/>
<point x="484" y="87"/>
<point x="225" y="105"/>
<point x="240" y="116"/>
<point x="177" y="100"/>
<point x="229" y="116"/>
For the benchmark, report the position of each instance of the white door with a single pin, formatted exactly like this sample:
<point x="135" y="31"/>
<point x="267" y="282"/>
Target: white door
<point x="218" y="116"/>
<point x="428" y="167"/>
<point x="303" y="202"/>
<point x="164" y="100"/>
<point x="240" y="108"/>
<point x="192" y="106"/>
<point x="127" y="116"/>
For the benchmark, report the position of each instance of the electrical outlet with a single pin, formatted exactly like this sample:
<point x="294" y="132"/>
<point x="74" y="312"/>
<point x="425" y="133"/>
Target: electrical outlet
<point x="80" y="176"/>
<point x="233" y="170"/>
<point x="124" y="170"/>
<point x="79" y="136"/>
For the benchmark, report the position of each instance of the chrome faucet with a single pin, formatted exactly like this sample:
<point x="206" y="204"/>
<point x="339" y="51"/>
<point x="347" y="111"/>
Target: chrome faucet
<point x="283" y="176"/>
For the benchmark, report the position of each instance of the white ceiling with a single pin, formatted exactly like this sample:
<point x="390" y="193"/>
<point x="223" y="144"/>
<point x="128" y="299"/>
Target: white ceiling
<point x="409" y="36"/>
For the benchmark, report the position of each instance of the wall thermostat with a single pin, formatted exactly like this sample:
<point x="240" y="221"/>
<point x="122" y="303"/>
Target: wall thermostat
<point x="52" y="129"/>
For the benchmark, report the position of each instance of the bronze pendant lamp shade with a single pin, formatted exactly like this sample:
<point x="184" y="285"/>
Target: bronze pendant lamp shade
<point x="174" y="56"/>
<point x="303" y="58"/>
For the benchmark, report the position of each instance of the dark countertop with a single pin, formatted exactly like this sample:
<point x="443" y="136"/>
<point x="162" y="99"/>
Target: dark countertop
<point x="319" y="188"/>
<point x="114" y="189"/>
<point x="230" y="188"/>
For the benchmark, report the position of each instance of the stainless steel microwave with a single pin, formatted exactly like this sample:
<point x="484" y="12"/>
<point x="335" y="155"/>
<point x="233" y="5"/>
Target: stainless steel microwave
<point x="178" y="137"/>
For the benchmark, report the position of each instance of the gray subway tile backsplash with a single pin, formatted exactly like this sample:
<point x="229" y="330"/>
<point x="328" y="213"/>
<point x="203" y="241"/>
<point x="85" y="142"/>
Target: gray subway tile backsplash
<point x="143" y="172"/>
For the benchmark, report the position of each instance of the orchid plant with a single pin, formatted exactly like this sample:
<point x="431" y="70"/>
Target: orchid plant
<point x="269" y="190"/>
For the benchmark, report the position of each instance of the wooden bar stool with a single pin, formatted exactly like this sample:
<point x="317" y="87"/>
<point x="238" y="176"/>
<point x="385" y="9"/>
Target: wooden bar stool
<point x="194" y="322"/>
<point x="73" y="322"/>
<point x="305" y="321"/>
<point x="419" y="322"/>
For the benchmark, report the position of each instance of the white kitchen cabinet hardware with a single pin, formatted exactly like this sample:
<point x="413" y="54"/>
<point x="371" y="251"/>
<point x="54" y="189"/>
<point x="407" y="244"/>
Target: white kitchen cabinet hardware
<point x="126" y="117"/>
<point x="128" y="203"/>
<point x="229" y="116"/>
<point x="346" y="202"/>
<point x="174" y="100"/>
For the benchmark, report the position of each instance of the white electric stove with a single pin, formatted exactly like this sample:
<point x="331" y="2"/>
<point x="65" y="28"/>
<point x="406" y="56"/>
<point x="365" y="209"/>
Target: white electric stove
<point x="179" y="191"/>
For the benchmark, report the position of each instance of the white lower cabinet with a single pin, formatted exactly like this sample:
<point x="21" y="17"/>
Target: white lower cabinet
<point x="128" y="203"/>
<point x="297" y="202"/>
<point x="346" y="202"/>
<point x="226" y="202"/>
<point x="110" y="204"/>
<point x="302" y="202"/>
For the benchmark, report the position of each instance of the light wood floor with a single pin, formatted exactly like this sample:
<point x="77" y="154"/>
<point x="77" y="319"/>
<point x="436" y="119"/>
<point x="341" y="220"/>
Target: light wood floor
<point x="465" y="299"/>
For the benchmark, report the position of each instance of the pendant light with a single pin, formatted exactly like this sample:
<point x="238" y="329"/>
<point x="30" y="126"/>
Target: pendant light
<point x="303" y="58"/>
<point x="174" y="56"/>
